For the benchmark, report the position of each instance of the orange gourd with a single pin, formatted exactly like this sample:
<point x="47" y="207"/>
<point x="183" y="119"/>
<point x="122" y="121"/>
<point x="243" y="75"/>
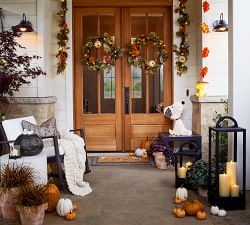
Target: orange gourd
<point x="177" y="201"/>
<point x="201" y="215"/>
<point x="144" y="156"/>
<point x="52" y="197"/>
<point x="146" y="144"/>
<point x="74" y="207"/>
<point x="70" y="216"/>
<point x="192" y="207"/>
<point x="174" y="210"/>
<point x="180" y="213"/>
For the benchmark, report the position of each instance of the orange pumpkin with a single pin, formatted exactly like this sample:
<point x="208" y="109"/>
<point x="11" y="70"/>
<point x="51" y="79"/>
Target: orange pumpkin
<point x="74" y="207"/>
<point x="52" y="196"/>
<point x="174" y="210"/>
<point x="192" y="207"/>
<point x="201" y="215"/>
<point x="180" y="213"/>
<point x="146" y="144"/>
<point x="70" y="216"/>
<point x="177" y="201"/>
<point x="144" y="156"/>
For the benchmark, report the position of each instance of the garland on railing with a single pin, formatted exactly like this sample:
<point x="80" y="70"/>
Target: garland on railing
<point x="182" y="51"/>
<point x="62" y="37"/>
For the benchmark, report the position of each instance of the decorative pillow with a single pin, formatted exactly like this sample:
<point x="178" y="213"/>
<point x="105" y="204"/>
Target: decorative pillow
<point x="48" y="128"/>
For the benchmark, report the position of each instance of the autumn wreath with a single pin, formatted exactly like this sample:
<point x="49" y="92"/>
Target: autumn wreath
<point x="107" y="42"/>
<point x="135" y="57"/>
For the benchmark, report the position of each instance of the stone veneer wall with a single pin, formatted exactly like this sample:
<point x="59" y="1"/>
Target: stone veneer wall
<point x="42" y="108"/>
<point x="203" y="113"/>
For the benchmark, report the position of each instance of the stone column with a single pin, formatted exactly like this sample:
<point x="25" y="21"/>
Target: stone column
<point x="202" y="117"/>
<point x="42" y="108"/>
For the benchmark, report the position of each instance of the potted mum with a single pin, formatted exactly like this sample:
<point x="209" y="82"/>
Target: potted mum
<point x="31" y="204"/>
<point x="15" y="69"/>
<point x="12" y="178"/>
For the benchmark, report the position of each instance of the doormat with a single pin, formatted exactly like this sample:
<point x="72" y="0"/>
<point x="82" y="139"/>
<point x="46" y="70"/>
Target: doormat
<point x="120" y="160"/>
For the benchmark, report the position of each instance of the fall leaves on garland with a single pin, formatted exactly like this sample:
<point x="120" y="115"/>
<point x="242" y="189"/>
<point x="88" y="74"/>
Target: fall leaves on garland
<point x="182" y="52"/>
<point x="62" y="38"/>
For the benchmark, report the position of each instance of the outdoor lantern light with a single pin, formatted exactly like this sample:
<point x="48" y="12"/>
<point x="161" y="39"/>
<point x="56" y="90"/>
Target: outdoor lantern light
<point x="23" y="26"/>
<point x="220" y="25"/>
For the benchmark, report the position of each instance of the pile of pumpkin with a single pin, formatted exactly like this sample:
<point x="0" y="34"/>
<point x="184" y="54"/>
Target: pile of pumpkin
<point x="63" y="206"/>
<point x="190" y="207"/>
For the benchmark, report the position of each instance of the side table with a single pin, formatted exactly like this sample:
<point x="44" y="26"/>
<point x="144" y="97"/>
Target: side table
<point x="37" y="162"/>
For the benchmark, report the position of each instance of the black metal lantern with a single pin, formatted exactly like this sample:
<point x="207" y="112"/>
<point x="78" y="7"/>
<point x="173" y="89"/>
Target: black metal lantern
<point x="193" y="153"/>
<point x="220" y="25"/>
<point x="216" y="195"/>
<point x="23" y="26"/>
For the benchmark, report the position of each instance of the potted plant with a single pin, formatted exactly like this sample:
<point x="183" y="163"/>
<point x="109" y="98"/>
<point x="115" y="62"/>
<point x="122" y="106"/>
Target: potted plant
<point x="12" y="178"/>
<point x="15" y="69"/>
<point x="197" y="176"/>
<point x="31" y="204"/>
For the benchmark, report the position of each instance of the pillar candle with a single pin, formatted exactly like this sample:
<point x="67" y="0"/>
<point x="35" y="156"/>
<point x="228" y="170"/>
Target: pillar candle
<point x="235" y="190"/>
<point x="231" y="171"/>
<point x="182" y="172"/>
<point x="188" y="164"/>
<point x="224" y="185"/>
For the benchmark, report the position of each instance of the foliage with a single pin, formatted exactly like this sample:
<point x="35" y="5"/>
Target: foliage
<point x="13" y="175"/>
<point x="223" y="141"/>
<point x="32" y="195"/>
<point x="109" y="47"/>
<point x="197" y="175"/>
<point x="135" y="57"/>
<point x="15" y="69"/>
<point x="62" y="38"/>
<point x="182" y="52"/>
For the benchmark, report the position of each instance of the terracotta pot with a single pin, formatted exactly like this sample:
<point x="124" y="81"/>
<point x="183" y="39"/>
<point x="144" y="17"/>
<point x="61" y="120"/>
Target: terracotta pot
<point x="8" y="201"/>
<point x="33" y="215"/>
<point x="202" y="191"/>
<point x="160" y="160"/>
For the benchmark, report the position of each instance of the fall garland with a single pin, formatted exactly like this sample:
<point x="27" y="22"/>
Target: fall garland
<point x="182" y="52"/>
<point x="109" y="47"/>
<point x="62" y="38"/>
<point x="135" y="57"/>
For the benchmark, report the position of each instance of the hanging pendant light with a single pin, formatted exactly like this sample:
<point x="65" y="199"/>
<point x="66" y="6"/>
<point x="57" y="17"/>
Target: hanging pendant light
<point x="220" y="25"/>
<point x="23" y="26"/>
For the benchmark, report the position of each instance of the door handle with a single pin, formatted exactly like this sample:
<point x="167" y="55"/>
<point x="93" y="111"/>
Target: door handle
<point x="85" y="105"/>
<point x="126" y="94"/>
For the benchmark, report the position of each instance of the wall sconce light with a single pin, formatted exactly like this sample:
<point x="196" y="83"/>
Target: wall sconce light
<point x="220" y="25"/>
<point x="23" y="26"/>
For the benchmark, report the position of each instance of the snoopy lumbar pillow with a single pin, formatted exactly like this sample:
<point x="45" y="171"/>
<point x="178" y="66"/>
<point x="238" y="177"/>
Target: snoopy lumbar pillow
<point x="174" y="112"/>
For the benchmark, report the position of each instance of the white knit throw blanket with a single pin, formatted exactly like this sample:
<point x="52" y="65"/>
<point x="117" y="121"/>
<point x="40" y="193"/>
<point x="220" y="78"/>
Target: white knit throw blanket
<point x="74" y="163"/>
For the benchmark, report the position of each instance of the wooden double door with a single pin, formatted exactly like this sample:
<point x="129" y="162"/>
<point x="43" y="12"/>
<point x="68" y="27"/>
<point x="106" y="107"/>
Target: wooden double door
<point x="117" y="107"/>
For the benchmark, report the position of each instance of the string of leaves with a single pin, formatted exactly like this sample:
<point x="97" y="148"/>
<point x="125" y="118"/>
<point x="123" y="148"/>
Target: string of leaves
<point x="136" y="58"/>
<point x="112" y="52"/>
<point x="62" y="37"/>
<point x="182" y="51"/>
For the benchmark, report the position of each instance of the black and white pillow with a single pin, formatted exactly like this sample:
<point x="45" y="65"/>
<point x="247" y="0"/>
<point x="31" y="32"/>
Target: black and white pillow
<point x="48" y="128"/>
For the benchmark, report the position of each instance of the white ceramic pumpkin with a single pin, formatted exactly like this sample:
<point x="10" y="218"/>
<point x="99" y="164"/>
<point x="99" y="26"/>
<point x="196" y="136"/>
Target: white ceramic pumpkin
<point x="181" y="193"/>
<point x="222" y="213"/>
<point x="214" y="210"/>
<point x="64" y="206"/>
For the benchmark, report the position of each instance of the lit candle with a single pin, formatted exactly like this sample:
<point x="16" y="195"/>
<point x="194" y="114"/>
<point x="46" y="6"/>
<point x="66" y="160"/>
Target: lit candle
<point x="224" y="185"/>
<point x="231" y="171"/>
<point x="182" y="172"/>
<point x="188" y="164"/>
<point x="14" y="152"/>
<point x="235" y="190"/>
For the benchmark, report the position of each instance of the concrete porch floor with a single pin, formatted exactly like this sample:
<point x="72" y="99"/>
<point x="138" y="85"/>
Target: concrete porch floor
<point x="133" y="195"/>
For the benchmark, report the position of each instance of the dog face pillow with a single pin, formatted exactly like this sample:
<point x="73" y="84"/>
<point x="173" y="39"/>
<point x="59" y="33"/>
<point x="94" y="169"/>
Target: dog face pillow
<point x="174" y="112"/>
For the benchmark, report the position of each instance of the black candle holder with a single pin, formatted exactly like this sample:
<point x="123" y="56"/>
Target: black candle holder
<point x="229" y="203"/>
<point x="192" y="151"/>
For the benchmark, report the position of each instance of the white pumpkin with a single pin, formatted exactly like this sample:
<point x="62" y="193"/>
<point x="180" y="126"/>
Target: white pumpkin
<point x="97" y="44"/>
<point x="182" y="193"/>
<point x="222" y="213"/>
<point x="64" y="206"/>
<point x="140" y="151"/>
<point x="151" y="63"/>
<point x="214" y="210"/>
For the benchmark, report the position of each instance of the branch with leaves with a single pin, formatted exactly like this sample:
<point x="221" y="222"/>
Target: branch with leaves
<point x="62" y="38"/>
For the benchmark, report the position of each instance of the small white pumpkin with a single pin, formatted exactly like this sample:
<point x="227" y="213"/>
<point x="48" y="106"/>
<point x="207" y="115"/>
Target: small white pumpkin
<point x="222" y="213"/>
<point x="151" y="63"/>
<point x="181" y="193"/>
<point x="214" y="210"/>
<point x="64" y="206"/>
<point x="97" y="44"/>
<point x="140" y="151"/>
